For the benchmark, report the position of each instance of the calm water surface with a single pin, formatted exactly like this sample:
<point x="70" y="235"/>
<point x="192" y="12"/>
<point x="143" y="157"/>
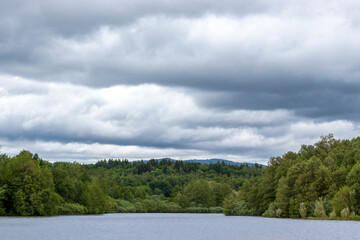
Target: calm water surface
<point x="172" y="226"/>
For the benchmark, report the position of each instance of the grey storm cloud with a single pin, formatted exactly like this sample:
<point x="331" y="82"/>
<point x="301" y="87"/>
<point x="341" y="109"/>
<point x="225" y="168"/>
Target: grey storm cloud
<point x="76" y="17"/>
<point x="201" y="77"/>
<point x="248" y="52"/>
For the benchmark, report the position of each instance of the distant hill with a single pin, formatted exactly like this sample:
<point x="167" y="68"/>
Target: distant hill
<point x="213" y="161"/>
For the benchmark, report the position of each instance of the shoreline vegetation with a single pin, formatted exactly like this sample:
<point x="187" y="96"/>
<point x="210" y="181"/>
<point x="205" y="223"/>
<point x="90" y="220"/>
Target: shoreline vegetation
<point x="320" y="181"/>
<point x="30" y="186"/>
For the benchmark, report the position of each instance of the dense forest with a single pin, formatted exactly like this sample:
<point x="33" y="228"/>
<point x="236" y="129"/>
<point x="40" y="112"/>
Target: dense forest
<point x="320" y="181"/>
<point x="30" y="186"/>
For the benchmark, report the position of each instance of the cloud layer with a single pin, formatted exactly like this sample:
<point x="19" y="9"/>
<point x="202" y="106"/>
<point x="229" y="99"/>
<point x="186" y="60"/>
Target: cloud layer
<point x="243" y="80"/>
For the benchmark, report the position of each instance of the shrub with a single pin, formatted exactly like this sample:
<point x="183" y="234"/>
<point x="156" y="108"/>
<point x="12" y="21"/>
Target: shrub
<point x="139" y="208"/>
<point x="332" y="214"/>
<point x="345" y="213"/>
<point x="216" y="210"/>
<point x="123" y="206"/>
<point x="173" y="207"/>
<point x="71" y="208"/>
<point x="302" y="210"/>
<point x="196" y="210"/>
<point x="242" y="208"/>
<point x="270" y="212"/>
<point x="319" y="210"/>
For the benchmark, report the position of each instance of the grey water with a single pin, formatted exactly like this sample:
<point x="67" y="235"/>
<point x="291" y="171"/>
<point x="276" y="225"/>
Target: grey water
<point x="173" y="226"/>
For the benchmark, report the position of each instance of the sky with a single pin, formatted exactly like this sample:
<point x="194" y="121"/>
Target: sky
<point x="242" y="80"/>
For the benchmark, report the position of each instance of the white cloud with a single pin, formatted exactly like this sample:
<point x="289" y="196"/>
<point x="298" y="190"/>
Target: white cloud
<point x="340" y="128"/>
<point x="145" y="121"/>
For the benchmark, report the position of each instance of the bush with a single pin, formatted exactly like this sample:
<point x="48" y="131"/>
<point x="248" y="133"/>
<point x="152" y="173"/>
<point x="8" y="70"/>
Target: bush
<point x="238" y="208"/>
<point x="270" y="212"/>
<point x="71" y="209"/>
<point x="216" y="210"/>
<point x="197" y="210"/>
<point x="181" y="200"/>
<point x="345" y="213"/>
<point x="327" y="206"/>
<point x="302" y="210"/>
<point x="139" y="208"/>
<point x="123" y="206"/>
<point x="319" y="210"/>
<point x="173" y="207"/>
<point x="155" y="205"/>
<point x="203" y="210"/>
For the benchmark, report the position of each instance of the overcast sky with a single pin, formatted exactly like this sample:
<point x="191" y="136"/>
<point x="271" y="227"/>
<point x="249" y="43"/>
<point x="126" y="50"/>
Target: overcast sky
<point x="236" y="79"/>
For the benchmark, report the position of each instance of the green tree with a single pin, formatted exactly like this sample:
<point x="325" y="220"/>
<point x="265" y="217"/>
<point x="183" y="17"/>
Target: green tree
<point x="2" y="199"/>
<point x="94" y="199"/>
<point x="221" y="191"/>
<point x="30" y="186"/>
<point x="283" y="194"/>
<point x="344" y="198"/>
<point x="199" y="191"/>
<point x="230" y="205"/>
<point x="354" y="175"/>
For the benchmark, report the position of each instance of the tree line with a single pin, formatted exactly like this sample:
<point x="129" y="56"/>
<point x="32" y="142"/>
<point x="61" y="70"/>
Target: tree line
<point x="319" y="181"/>
<point x="31" y="186"/>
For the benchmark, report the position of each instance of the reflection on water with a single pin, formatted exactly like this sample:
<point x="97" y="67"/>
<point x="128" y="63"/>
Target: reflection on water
<point x="173" y="226"/>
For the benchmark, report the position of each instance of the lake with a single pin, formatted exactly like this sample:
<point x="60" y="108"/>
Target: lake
<point x="172" y="226"/>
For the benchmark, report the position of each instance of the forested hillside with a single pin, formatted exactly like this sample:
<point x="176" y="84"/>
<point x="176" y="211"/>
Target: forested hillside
<point x="321" y="181"/>
<point x="32" y="186"/>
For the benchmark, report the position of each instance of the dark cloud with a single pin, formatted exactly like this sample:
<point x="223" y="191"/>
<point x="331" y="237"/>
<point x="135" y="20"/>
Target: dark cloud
<point x="312" y="99"/>
<point x="78" y="17"/>
<point x="247" y="74"/>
